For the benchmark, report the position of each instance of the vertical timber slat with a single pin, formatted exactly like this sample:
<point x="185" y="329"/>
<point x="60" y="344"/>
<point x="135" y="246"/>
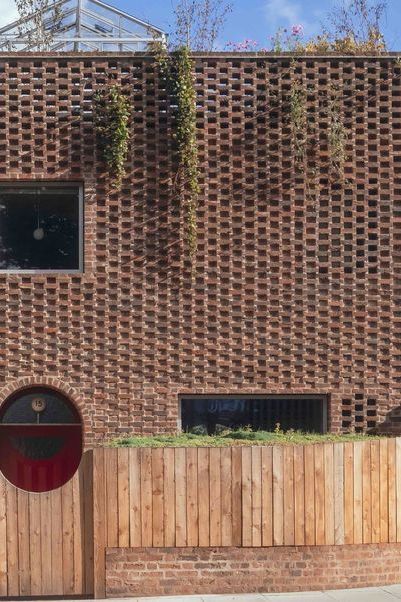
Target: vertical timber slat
<point x="158" y="497"/>
<point x="267" y="497"/>
<point x="135" y="524"/>
<point x="123" y="498"/>
<point x="204" y="496"/>
<point x="99" y="518"/>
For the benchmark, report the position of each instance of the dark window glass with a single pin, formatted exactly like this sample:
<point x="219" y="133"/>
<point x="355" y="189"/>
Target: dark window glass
<point x="306" y="413"/>
<point x="40" y="439"/>
<point x="39" y="228"/>
<point x="56" y="410"/>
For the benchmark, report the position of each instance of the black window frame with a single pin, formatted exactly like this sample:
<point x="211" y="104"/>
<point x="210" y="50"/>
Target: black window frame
<point x="323" y="398"/>
<point x="52" y="184"/>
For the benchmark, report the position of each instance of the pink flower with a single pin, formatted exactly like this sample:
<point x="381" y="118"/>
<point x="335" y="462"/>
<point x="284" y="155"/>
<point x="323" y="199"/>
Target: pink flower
<point x="247" y="44"/>
<point x="297" y="30"/>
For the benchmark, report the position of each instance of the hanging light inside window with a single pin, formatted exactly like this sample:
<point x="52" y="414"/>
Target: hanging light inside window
<point x="39" y="232"/>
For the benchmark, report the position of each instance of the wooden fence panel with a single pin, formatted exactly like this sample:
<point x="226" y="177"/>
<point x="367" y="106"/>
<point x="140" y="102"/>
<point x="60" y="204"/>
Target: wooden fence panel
<point x="319" y="496"/>
<point x="180" y="498"/>
<point x="226" y="498"/>
<point x="329" y="490"/>
<point x="246" y="478"/>
<point x="111" y="492"/>
<point x="204" y="497"/>
<point x="309" y="485"/>
<point x="398" y="487"/>
<point x="44" y="539"/>
<point x="192" y="498"/>
<point x="322" y="494"/>
<point x="135" y="523"/>
<point x="348" y="457"/>
<point x="366" y="495"/>
<point x="215" y="496"/>
<point x="267" y="497"/>
<point x="236" y="490"/>
<point x="299" y="496"/>
<point x="375" y="489"/>
<point x="123" y="498"/>
<point x="157" y="498"/>
<point x="256" y="515"/>
<point x="392" y="497"/>
<point x="169" y="498"/>
<point x="278" y="497"/>
<point x="338" y="483"/>
<point x="288" y="490"/>
<point x="146" y="497"/>
<point x="54" y="543"/>
<point x="357" y="501"/>
<point x="384" y="492"/>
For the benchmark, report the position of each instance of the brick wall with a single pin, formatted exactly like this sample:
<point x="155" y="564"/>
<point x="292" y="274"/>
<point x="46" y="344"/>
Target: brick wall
<point x="178" y="571"/>
<point x="296" y="285"/>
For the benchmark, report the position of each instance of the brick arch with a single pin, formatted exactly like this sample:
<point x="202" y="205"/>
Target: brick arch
<point x="52" y="383"/>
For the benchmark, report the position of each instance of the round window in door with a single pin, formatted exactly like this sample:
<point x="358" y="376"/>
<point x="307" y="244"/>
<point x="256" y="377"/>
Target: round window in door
<point x="40" y="439"/>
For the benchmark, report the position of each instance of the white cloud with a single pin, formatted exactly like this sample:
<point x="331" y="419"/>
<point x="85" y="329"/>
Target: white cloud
<point x="8" y="12"/>
<point x="282" y="10"/>
<point x="284" y="13"/>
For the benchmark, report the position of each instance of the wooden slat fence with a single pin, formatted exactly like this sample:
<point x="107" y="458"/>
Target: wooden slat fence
<point x="46" y="539"/>
<point x="324" y="494"/>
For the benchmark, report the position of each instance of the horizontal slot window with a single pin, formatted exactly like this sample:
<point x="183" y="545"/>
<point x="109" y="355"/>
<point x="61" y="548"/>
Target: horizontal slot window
<point x="211" y="414"/>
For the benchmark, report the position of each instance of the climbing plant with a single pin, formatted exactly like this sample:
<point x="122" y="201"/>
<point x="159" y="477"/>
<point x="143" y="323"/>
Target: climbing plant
<point x="298" y="120"/>
<point x="111" y="120"/>
<point x="337" y="136"/>
<point x="176" y="69"/>
<point x="185" y="135"/>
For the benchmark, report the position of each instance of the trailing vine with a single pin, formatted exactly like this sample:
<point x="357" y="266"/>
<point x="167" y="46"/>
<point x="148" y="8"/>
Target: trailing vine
<point x="177" y="69"/>
<point x="185" y="135"/>
<point x="300" y="127"/>
<point x="337" y="137"/>
<point x="298" y="120"/>
<point x="111" y="117"/>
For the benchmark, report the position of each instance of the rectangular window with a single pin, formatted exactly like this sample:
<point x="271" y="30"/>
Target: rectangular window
<point x="261" y="412"/>
<point x="41" y="227"/>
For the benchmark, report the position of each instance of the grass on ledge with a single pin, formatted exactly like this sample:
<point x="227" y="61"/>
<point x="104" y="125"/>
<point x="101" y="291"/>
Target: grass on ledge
<point x="238" y="437"/>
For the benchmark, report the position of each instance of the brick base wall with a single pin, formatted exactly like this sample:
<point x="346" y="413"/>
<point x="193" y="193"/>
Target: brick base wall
<point x="179" y="571"/>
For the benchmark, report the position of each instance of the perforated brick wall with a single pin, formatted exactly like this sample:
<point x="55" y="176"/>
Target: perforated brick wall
<point x="296" y="287"/>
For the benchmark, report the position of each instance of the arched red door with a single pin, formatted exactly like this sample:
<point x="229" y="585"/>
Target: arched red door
<point x="40" y="439"/>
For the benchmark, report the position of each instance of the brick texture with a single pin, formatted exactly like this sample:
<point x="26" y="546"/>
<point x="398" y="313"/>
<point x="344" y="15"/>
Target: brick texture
<point x="296" y="287"/>
<point x="178" y="571"/>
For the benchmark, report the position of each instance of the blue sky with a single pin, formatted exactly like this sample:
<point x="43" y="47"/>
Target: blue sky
<point x="255" y="19"/>
<point x="259" y="19"/>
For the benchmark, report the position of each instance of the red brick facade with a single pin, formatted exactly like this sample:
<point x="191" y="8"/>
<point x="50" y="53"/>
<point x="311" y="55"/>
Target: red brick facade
<point x="180" y="571"/>
<point x="296" y="286"/>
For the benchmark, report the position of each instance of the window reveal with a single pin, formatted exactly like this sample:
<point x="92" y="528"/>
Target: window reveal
<point x="300" y="412"/>
<point x="40" y="227"/>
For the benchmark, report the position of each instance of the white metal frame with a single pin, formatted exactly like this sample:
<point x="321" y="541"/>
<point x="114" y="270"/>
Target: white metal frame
<point x="114" y="29"/>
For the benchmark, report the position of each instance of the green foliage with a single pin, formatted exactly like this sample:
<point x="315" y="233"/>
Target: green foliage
<point x="337" y="137"/>
<point x="350" y="28"/>
<point x="199" y="429"/>
<point x="111" y="118"/>
<point x="185" y="135"/>
<point x="300" y="127"/>
<point x="177" y="70"/>
<point x="235" y="437"/>
<point x="298" y="120"/>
